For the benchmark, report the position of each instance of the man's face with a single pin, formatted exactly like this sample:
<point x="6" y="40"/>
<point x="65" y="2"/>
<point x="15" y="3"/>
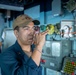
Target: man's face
<point x="25" y="34"/>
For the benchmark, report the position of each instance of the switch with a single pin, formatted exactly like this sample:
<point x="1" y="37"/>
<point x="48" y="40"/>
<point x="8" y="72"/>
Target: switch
<point x="43" y="60"/>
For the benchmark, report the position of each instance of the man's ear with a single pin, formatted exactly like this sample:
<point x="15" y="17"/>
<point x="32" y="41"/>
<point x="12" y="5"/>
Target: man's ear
<point x="16" y="33"/>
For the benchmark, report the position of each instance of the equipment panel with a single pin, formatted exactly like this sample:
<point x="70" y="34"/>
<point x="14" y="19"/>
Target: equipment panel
<point x="69" y="65"/>
<point x="54" y="52"/>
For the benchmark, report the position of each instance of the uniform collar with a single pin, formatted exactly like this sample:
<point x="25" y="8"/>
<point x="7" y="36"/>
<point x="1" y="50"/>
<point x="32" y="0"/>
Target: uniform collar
<point x="19" y="50"/>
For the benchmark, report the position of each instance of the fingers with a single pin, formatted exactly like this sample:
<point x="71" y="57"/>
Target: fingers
<point x="45" y="32"/>
<point x="42" y="33"/>
<point x="35" y="38"/>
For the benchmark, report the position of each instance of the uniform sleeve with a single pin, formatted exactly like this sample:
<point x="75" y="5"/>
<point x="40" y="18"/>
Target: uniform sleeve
<point x="10" y="66"/>
<point x="33" y="68"/>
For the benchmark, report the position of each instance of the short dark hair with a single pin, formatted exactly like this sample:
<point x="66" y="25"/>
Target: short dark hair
<point x="16" y="28"/>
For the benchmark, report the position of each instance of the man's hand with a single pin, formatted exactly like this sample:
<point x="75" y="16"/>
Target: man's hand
<point x="39" y="38"/>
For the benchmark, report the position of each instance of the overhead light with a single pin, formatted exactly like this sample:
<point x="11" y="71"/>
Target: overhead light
<point x="10" y="7"/>
<point x="56" y="8"/>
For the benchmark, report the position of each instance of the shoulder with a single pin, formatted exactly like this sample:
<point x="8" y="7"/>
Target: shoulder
<point x="8" y="53"/>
